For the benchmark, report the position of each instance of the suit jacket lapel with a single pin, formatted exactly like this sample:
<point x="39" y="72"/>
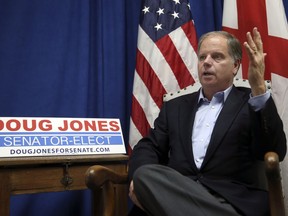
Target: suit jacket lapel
<point x="232" y="106"/>
<point x="187" y="113"/>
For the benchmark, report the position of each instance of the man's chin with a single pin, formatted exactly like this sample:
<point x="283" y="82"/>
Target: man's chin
<point x="206" y="82"/>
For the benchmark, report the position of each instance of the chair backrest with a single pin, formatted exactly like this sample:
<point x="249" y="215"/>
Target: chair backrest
<point x="195" y="87"/>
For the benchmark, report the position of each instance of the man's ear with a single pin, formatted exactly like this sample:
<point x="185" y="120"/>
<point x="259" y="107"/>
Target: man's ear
<point x="236" y="67"/>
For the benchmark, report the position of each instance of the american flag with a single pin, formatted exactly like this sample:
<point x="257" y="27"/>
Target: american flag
<point x="269" y="17"/>
<point x="166" y="60"/>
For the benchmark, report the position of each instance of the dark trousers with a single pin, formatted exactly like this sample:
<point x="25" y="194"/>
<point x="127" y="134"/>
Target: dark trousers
<point x="162" y="191"/>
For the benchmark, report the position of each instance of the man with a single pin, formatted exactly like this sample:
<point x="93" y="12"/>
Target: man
<point x="201" y="156"/>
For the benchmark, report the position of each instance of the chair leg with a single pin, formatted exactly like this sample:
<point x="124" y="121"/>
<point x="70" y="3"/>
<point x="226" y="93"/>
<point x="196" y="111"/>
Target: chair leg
<point x="103" y="203"/>
<point x="121" y="200"/>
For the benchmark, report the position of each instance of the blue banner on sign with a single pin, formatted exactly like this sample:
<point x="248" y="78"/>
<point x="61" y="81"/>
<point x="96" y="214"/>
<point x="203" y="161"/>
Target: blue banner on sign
<point x="56" y="139"/>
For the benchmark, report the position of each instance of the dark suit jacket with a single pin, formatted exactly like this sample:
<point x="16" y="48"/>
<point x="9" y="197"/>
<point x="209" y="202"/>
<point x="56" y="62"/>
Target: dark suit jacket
<point x="239" y="140"/>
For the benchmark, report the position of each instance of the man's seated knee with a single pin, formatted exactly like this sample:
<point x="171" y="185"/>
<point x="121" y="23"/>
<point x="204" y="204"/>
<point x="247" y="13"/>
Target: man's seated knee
<point x="144" y="172"/>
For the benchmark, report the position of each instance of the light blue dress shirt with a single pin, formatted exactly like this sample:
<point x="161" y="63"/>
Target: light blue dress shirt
<point x="207" y="115"/>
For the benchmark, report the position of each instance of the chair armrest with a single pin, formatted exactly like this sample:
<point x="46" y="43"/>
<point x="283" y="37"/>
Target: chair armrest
<point x="96" y="176"/>
<point x="272" y="166"/>
<point x="273" y="175"/>
<point x="109" y="190"/>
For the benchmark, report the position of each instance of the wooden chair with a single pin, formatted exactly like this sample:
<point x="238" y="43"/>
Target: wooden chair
<point x="105" y="182"/>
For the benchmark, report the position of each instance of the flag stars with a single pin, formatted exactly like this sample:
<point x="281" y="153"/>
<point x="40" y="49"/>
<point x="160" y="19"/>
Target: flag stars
<point x="177" y="1"/>
<point x="146" y="10"/>
<point x="158" y="26"/>
<point x="175" y="15"/>
<point x="160" y="11"/>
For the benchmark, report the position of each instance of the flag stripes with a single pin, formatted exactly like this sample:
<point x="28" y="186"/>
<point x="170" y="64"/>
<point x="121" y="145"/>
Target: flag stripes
<point x="172" y="57"/>
<point x="150" y="79"/>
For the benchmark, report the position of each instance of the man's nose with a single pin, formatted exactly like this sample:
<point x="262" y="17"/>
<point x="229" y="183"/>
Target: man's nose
<point x="207" y="61"/>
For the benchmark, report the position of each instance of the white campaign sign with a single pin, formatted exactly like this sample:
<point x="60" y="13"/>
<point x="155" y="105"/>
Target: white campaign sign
<point x="22" y="137"/>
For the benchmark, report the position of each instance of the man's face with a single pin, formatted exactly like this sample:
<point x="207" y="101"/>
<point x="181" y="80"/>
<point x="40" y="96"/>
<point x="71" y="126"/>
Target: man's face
<point x="216" y="68"/>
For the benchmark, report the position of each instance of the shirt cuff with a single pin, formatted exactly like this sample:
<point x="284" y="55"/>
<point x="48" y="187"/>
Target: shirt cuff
<point x="258" y="102"/>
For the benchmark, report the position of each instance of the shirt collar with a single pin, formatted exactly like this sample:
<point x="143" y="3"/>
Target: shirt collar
<point x="223" y="94"/>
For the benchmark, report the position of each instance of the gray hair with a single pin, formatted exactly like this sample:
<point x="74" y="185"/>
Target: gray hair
<point x="234" y="46"/>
